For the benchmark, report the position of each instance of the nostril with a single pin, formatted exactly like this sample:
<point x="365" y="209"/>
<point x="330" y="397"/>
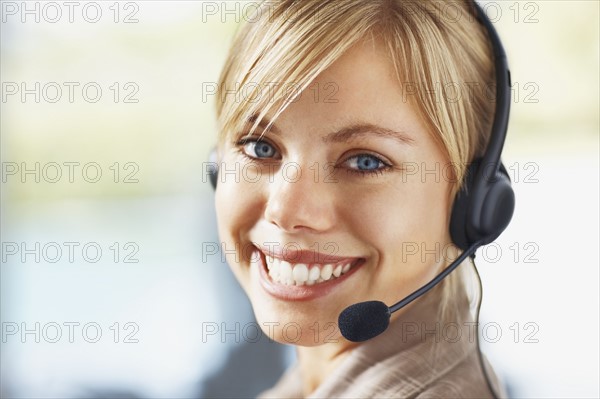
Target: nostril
<point x="298" y="215"/>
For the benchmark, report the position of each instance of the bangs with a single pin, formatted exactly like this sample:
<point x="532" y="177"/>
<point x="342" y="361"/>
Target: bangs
<point x="274" y="60"/>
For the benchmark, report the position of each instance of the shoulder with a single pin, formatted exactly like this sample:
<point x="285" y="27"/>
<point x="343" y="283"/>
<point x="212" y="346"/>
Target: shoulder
<point x="465" y="380"/>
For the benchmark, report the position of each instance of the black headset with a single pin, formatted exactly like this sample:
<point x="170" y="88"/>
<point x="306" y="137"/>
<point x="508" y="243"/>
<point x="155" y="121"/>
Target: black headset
<point x="485" y="204"/>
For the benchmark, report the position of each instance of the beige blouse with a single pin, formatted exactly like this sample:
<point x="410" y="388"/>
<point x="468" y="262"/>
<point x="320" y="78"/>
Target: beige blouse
<point x="416" y="357"/>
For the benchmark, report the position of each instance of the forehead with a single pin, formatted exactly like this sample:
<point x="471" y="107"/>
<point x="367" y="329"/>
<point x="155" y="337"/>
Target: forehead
<point x="362" y="86"/>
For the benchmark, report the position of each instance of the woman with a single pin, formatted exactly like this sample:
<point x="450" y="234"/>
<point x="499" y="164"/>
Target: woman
<point x="341" y="152"/>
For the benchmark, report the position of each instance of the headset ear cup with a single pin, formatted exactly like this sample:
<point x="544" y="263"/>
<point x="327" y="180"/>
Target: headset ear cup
<point x="497" y="209"/>
<point x="458" y="219"/>
<point x="472" y="221"/>
<point x="213" y="168"/>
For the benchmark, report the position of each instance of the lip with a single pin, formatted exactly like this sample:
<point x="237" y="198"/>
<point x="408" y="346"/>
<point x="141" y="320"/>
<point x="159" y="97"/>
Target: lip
<point x="293" y="255"/>
<point x="303" y="292"/>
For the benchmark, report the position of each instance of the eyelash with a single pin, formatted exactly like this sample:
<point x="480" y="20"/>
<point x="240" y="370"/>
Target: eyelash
<point x="369" y="173"/>
<point x="242" y="142"/>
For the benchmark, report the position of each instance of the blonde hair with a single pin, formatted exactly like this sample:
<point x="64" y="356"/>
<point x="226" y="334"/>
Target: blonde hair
<point x="430" y="44"/>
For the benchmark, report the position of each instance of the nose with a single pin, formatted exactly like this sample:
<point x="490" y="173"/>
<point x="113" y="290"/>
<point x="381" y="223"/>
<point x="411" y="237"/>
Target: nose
<point x="298" y="201"/>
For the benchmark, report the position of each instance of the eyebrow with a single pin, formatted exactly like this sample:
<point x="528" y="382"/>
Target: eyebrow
<point x="264" y="122"/>
<point x="365" y="129"/>
<point x="347" y="133"/>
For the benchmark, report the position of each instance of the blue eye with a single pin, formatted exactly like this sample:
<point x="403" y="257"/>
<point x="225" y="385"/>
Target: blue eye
<point x="365" y="163"/>
<point x="259" y="149"/>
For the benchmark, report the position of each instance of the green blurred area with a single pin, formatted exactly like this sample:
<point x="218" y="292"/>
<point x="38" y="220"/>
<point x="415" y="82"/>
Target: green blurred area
<point x="165" y="57"/>
<point x="174" y="49"/>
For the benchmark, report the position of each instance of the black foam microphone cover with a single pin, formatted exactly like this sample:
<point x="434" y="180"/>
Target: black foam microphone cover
<point x="364" y="320"/>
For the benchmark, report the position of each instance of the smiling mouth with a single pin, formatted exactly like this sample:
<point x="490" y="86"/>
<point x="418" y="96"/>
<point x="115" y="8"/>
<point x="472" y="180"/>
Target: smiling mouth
<point x="288" y="273"/>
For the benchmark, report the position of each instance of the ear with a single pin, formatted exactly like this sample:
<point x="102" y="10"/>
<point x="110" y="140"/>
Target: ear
<point x="213" y="167"/>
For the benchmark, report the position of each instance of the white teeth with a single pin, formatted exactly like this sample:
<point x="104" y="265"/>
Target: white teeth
<point x="314" y="273"/>
<point x="302" y="274"/>
<point x="285" y="271"/>
<point x="273" y="270"/>
<point x="345" y="268"/>
<point x="337" y="271"/>
<point x="326" y="271"/>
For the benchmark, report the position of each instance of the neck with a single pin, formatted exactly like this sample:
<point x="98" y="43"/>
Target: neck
<point x="318" y="362"/>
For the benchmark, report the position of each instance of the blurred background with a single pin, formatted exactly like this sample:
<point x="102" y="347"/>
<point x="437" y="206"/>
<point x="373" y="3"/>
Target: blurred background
<point x="111" y="284"/>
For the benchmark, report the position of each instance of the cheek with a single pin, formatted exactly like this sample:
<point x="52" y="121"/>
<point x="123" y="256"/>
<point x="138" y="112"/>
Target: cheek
<point x="406" y="224"/>
<point x="237" y="202"/>
<point x="404" y="211"/>
<point x="238" y="207"/>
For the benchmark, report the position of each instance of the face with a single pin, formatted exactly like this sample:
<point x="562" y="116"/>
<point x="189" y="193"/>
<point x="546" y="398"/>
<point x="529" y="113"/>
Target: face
<point x="343" y="200"/>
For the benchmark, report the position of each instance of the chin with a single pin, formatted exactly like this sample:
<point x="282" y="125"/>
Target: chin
<point x="299" y="331"/>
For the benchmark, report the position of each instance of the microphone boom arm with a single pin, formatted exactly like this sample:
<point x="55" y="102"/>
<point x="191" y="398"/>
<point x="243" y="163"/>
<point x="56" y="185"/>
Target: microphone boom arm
<point x="436" y="280"/>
